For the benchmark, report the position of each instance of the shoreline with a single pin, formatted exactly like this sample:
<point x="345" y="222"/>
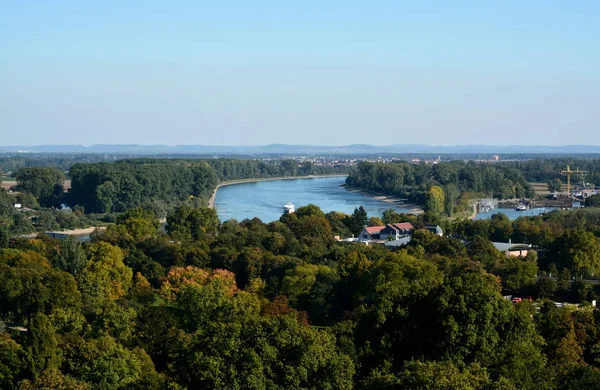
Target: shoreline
<point x="474" y="214"/>
<point x="392" y="200"/>
<point x="211" y="201"/>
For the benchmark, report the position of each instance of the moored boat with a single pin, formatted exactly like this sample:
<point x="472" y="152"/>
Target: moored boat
<point x="288" y="208"/>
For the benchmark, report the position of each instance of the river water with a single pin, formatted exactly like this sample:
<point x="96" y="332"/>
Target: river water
<point x="265" y="199"/>
<point x="511" y="213"/>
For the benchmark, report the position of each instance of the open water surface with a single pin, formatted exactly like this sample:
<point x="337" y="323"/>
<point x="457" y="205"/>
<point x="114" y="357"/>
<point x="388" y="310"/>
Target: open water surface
<point x="265" y="199"/>
<point x="514" y="214"/>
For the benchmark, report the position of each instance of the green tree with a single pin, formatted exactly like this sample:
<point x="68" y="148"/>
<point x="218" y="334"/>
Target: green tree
<point x="442" y="375"/>
<point x="555" y="185"/>
<point x="4" y="237"/>
<point x="482" y="250"/>
<point x="391" y="292"/>
<point x="593" y="201"/>
<point x="435" y="200"/>
<point x="391" y="216"/>
<point x="193" y="223"/>
<point x="545" y="288"/>
<point x="71" y="256"/>
<point x="53" y="379"/>
<point x="11" y="364"/>
<point x="105" y="277"/>
<point x="375" y="221"/>
<point x="358" y="220"/>
<point x="500" y="228"/>
<point x="517" y="273"/>
<point x="42" y="350"/>
<point x="578" y="251"/>
<point x="451" y="194"/>
<point x="301" y="279"/>
<point x="262" y="352"/>
<point x="309" y="210"/>
<point x="106" y="364"/>
<point x="105" y="194"/>
<point x="337" y="221"/>
<point x="44" y="183"/>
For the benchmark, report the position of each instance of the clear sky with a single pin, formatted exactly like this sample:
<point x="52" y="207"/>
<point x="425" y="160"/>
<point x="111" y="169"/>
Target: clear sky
<point x="260" y="72"/>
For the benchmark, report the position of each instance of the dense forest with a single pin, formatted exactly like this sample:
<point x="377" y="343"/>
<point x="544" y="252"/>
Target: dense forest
<point x="500" y="180"/>
<point x="538" y="170"/>
<point x="163" y="183"/>
<point x="237" y="305"/>
<point x="209" y="304"/>
<point x="100" y="191"/>
<point x="439" y="187"/>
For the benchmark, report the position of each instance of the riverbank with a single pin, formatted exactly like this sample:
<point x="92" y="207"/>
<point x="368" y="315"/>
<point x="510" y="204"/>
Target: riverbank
<point x="392" y="200"/>
<point x="76" y="232"/>
<point x="211" y="201"/>
<point x="474" y="213"/>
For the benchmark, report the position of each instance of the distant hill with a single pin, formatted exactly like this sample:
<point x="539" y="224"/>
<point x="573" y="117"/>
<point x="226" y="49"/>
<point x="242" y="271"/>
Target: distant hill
<point x="283" y="149"/>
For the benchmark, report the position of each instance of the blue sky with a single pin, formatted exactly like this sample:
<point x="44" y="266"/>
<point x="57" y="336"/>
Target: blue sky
<point x="247" y="73"/>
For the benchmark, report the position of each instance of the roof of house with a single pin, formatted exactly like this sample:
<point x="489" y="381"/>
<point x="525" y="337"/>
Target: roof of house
<point x="395" y="226"/>
<point x="507" y="246"/>
<point x="403" y="226"/>
<point x="437" y="228"/>
<point x="374" y="229"/>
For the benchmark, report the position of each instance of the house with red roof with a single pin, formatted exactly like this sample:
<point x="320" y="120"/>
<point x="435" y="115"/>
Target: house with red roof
<point x="386" y="232"/>
<point x="370" y="233"/>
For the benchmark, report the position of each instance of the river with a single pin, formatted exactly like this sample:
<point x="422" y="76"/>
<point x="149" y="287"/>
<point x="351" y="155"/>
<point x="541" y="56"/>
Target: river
<point x="511" y="213"/>
<point x="265" y="199"/>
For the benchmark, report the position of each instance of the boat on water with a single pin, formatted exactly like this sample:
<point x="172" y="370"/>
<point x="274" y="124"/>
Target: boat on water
<point x="289" y="208"/>
<point x="521" y="207"/>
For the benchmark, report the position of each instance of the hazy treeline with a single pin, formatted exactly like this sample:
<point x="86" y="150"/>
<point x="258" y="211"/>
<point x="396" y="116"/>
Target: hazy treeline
<point x="61" y="162"/>
<point x="544" y="170"/>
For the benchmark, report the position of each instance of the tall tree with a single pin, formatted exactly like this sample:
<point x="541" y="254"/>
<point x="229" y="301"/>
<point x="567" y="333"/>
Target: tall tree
<point x="358" y="220"/>
<point x="42" y="351"/>
<point x="435" y="200"/>
<point x="104" y="278"/>
<point x="71" y="256"/>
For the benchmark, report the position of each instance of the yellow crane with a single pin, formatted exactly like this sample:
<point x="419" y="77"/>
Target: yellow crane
<point x="569" y="172"/>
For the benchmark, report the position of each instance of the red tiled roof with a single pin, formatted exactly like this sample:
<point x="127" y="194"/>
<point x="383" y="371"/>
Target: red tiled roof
<point x="374" y="229"/>
<point x="404" y="226"/>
